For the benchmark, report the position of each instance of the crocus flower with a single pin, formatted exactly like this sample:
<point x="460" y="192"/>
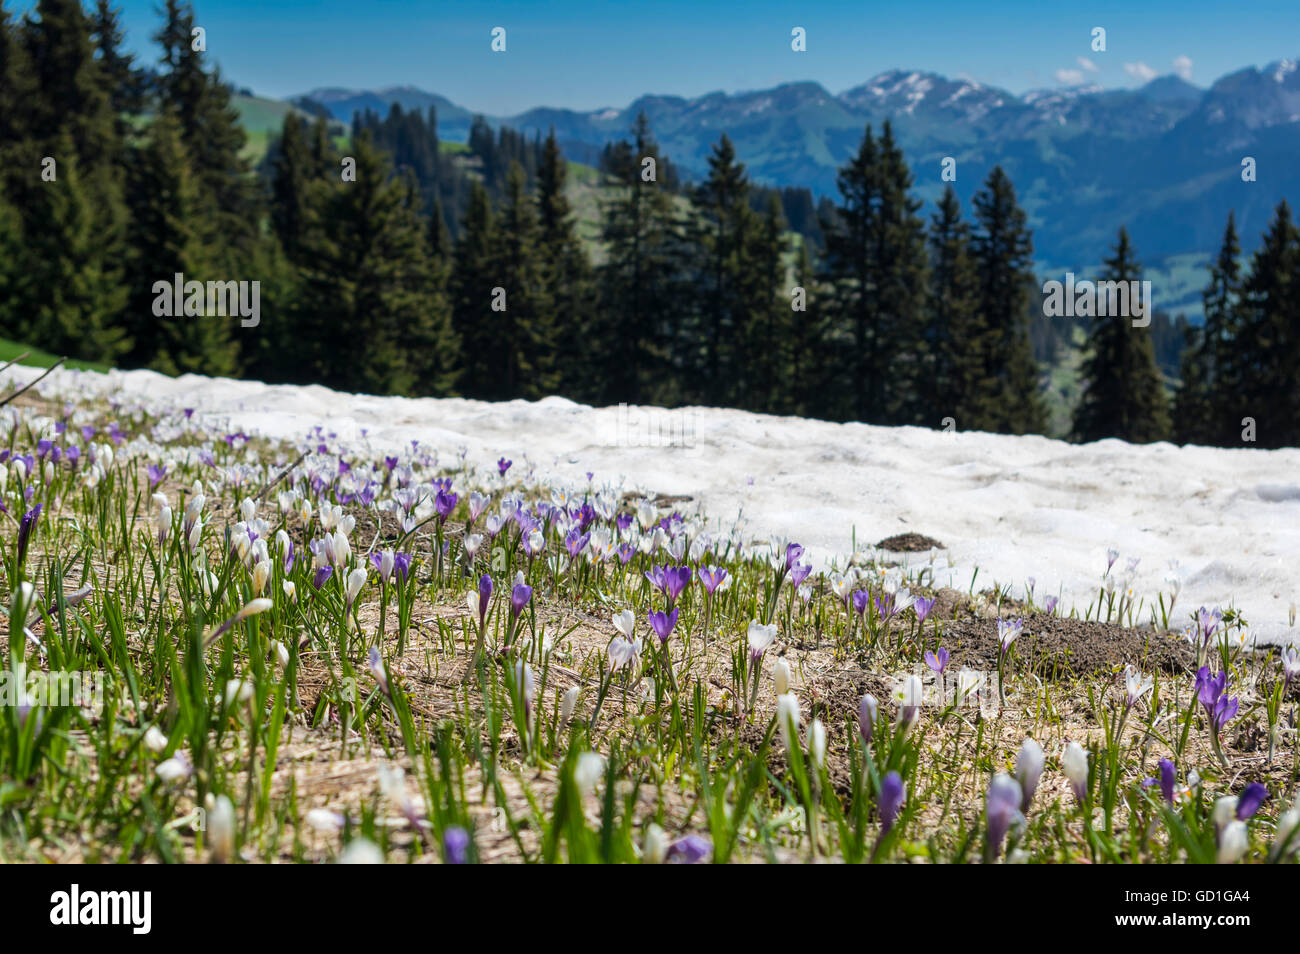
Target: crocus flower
<point x="1250" y="801"/>
<point x="519" y="597"/>
<point x="781" y="677"/>
<point x="1049" y="605"/>
<point x="623" y="651"/>
<point x="662" y="624"/>
<point x="868" y="710"/>
<point x="938" y="662"/>
<point x="1290" y="666"/>
<point x="356" y="580"/>
<point x="922" y="606"/>
<point x="503" y="465"/>
<point x="861" y="599"/>
<point x="26" y="527"/>
<point x="1002" y="807"/>
<point x="1135" y="686"/>
<point x="690" y="850"/>
<point x="1074" y="762"/>
<point x="1008" y="631"/>
<point x="1029" y="769"/>
<point x="1168" y="778"/>
<point x="484" y="598"/>
<point x="712" y="578"/>
<point x="444" y="503"/>
<point x="792" y="554"/>
<point x="676" y="579"/>
<point x="156" y="474"/>
<point x="323" y="573"/>
<point x="893" y="793"/>
<point x="787" y="718"/>
<point x="1233" y="843"/>
<point x="760" y="637"/>
<point x="798" y="573"/>
<point x="455" y="845"/>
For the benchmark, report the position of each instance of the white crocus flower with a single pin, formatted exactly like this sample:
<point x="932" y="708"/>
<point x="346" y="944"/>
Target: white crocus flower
<point x="1233" y="843"/>
<point x="781" y="677"/>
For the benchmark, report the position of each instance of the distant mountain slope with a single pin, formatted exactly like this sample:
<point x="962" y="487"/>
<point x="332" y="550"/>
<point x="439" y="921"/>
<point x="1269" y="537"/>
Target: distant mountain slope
<point x="1165" y="159"/>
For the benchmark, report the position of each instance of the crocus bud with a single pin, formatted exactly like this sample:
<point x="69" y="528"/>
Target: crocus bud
<point x="163" y="524"/>
<point x="817" y="743"/>
<point x="247" y="509"/>
<point x="787" y="717"/>
<point x="356" y="580"/>
<point x="893" y="793"/>
<point x="1225" y="811"/>
<point x="154" y="740"/>
<point x="221" y="829"/>
<point x="1074" y="762"/>
<point x="587" y="772"/>
<point x="568" y="702"/>
<point x="655" y="845"/>
<point x="1029" y="769"/>
<point x="196" y="535"/>
<point x="781" y="677"/>
<point x="1001" y="808"/>
<point x="386" y="563"/>
<point x="261" y="573"/>
<point x="625" y="623"/>
<point x="1233" y="843"/>
<point x="868" y="709"/>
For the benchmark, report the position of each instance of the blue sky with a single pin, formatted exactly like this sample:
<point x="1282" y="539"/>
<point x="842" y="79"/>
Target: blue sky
<point x="585" y="55"/>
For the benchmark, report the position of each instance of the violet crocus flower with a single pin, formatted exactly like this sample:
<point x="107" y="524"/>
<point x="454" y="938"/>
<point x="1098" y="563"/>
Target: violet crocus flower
<point x="937" y="661"/>
<point x="860" y="600"/>
<point x="893" y="793"/>
<point x="26" y="527"/>
<point x="323" y="574"/>
<point x="792" y="554"/>
<point x="690" y="850"/>
<point x="662" y="624"/>
<point x="1049" y="605"/>
<point x="676" y="579"/>
<point x="1250" y="801"/>
<point x="519" y="597"/>
<point x="798" y="573"/>
<point x="1001" y="807"/>
<point x="455" y="845"/>
<point x="868" y="710"/>
<point x="484" y="598"/>
<point x="1168" y="778"/>
<point x="445" y="503"/>
<point x="576" y="541"/>
<point x="712" y="577"/>
<point x="921" y="606"/>
<point x="503" y="465"/>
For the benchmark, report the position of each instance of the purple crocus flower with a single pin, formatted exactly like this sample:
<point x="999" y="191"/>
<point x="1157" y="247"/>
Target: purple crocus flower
<point x="690" y="850"/>
<point x="676" y="579"/>
<point x="484" y="597"/>
<point x="322" y="575"/>
<point x="1209" y="687"/>
<point x="922" y="606"/>
<point x="656" y="577"/>
<point x="445" y="503"/>
<point x="455" y="845"/>
<point x="625" y="553"/>
<point x="662" y="624"/>
<point x="798" y="573"/>
<point x="1049" y="605"/>
<point x="893" y="792"/>
<point x="1250" y="801"/>
<point x="156" y="475"/>
<point x="576" y="542"/>
<point x="1168" y="778"/>
<point x="26" y="527"/>
<point x="519" y="597"/>
<point x="860" y="599"/>
<point x="937" y="661"/>
<point x="792" y="554"/>
<point x="1001" y="806"/>
<point x="503" y="465"/>
<point x="712" y="577"/>
<point x="87" y="432"/>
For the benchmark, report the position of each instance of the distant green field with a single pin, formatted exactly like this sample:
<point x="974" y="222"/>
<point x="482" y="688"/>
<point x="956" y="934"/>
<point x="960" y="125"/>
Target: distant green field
<point x="40" y="359"/>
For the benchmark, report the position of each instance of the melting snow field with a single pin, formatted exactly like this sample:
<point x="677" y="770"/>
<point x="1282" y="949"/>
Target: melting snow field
<point x="1226" y="523"/>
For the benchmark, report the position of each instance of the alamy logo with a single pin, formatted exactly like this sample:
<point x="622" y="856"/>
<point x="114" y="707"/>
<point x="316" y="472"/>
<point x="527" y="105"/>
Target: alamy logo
<point x="1085" y="299"/>
<point x="75" y="907"/>
<point x="193" y="299"/>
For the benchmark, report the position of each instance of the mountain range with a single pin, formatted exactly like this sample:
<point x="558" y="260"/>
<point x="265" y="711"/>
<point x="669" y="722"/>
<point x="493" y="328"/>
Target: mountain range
<point x="1164" y="159"/>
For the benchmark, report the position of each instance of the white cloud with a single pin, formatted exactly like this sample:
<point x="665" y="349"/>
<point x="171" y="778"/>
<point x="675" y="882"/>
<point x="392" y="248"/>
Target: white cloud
<point x="1183" y="67"/>
<point x="1140" y="71"/>
<point x="1069" y="77"/>
<point x="1087" y="64"/>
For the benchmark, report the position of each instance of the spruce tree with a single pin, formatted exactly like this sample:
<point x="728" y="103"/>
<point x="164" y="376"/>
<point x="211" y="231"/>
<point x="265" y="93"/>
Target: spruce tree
<point x="1206" y="410"/>
<point x="1124" y="395"/>
<point x="165" y="240"/>
<point x="379" y="324"/>
<point x="523" y="358"/>
<point x="1003" y="250"/>
<point x="474" y="276"/>
<point x="1265" y="355"/>
<point x="957" y="338"/>
<point x="642" y="278"/>
<point x="566" y="277"/>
